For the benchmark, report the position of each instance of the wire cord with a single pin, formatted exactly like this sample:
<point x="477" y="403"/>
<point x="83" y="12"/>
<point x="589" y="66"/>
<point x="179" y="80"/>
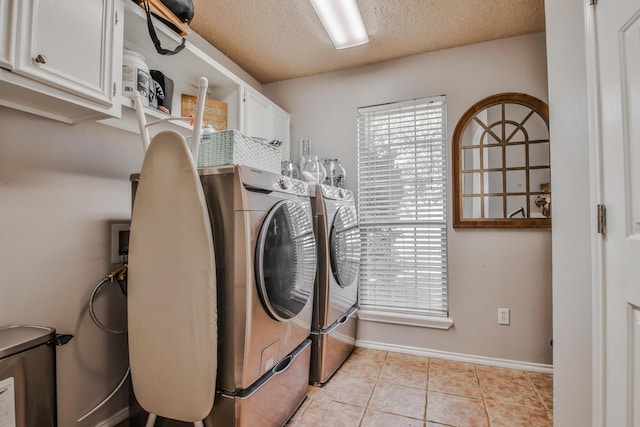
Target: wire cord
<point x="106" y="399"/>
<point x="120" y="275"/>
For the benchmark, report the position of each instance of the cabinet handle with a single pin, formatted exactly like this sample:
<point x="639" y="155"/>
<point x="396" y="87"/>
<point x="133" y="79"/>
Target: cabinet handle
<point x="41" y="59"/>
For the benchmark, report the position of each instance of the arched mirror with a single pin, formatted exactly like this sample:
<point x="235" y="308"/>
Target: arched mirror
<point x="501" y="168"/>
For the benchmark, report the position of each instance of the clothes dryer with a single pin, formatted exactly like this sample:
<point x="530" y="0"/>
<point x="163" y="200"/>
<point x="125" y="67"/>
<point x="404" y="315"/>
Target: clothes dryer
<point x="335" y="308"/>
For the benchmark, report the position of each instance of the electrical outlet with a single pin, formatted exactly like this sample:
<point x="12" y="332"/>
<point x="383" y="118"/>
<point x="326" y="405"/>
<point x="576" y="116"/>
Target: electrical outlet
<point x="503" y="316"/>
<point x="119" y="242"/>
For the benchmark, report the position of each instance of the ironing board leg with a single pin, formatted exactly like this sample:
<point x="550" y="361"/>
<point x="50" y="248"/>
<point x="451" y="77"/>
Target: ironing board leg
<point x="151" y="420"/>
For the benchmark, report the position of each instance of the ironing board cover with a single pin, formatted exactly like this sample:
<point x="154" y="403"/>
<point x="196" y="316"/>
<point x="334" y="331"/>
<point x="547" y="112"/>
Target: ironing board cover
<point x="172" y="286"/>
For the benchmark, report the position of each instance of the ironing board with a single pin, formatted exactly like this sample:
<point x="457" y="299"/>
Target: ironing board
<point x="171" y="304"/>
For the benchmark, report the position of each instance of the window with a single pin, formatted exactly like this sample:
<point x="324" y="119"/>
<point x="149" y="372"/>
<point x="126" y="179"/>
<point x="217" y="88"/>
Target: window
<point x="402" y="208"/>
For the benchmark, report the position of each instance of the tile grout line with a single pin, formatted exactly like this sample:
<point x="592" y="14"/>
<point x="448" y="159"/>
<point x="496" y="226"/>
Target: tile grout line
<point x="375" y="384"/>
<point x="378" y="379"/>
<point x="484" y="400"/>
<point x="535" y="389"/>
<point x="531" y="384"/>
<point x="426" y="400"/>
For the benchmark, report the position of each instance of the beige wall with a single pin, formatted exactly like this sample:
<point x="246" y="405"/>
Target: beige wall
<point x="60" y="186"/>
<point x="487" y="268"/>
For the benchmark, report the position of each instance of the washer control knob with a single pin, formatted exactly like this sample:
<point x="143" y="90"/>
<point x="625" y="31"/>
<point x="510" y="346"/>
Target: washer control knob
<point x="282" y="183"/>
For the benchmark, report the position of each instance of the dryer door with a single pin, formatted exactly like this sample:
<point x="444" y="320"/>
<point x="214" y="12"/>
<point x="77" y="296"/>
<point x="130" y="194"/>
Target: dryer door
<point x="345" y="247"/>
<point x="286" y="260"/>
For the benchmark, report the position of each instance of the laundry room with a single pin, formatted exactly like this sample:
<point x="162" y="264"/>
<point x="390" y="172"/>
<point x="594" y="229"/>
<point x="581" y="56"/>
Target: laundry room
<point x="509" y="291"/>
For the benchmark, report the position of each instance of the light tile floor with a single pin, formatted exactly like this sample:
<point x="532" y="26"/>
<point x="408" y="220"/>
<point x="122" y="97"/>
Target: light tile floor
<point x="382" y="389"/>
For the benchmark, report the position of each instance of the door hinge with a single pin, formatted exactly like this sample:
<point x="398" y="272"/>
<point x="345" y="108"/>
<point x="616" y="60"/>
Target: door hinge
<point x="117" y="16"/>
<point x="602" y="219"/>
<point x="592" y="2"/>
<point x="114" y="89"/>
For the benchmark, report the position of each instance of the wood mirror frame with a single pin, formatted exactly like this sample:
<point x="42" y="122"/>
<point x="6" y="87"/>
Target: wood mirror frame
<point x="501" y="162"/>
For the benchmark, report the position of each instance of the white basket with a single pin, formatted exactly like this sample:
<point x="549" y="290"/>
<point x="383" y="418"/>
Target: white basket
<point x="230" y="147"/>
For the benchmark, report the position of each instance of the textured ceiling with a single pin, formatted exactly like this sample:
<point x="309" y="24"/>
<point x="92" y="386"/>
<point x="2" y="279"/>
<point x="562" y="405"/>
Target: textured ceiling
<point x="281" y="39"/>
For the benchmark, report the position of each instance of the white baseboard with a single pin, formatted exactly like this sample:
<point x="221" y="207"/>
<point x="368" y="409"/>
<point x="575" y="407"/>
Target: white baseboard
<point x="481" y="360"/>
<point x="115" y="419"/>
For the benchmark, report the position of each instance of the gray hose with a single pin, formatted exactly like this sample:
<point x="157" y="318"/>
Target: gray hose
<point x="93" y="314"/>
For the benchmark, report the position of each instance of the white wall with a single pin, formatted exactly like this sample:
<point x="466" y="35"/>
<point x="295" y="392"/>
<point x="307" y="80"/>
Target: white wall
<point x="571" y="213"/>
<point x="487" y="268"/>
<point x="60" y="187"/>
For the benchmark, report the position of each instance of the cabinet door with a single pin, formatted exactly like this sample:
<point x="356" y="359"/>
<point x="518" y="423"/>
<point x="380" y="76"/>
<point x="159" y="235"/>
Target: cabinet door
<point x="69" y="46"/>
<point x="257" y="115"/>
<point x="281" y="129"/>
<point x="264" y="119"/>
<point x="7" y="32"/>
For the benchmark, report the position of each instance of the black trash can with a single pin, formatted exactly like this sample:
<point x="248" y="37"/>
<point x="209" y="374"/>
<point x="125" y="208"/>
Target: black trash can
<point x="27" y="377"/>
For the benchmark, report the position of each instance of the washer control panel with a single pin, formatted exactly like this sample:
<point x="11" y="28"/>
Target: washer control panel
<point x="262" y="180"/>
<point x="336" y="193"/>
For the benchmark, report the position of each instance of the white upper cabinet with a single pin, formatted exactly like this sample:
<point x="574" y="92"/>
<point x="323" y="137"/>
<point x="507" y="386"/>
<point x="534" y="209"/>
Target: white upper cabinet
<point x="63" y="59"/>
<point x="70" y="49"/>
<point x="68" y="58"/>
<point x="264" y="119"/>
<point x="7" y="21"/>
<point x="257" y="114"/>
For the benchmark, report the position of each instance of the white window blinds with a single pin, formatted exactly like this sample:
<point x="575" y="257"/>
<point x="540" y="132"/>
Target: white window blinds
<point x="402" y="207"/>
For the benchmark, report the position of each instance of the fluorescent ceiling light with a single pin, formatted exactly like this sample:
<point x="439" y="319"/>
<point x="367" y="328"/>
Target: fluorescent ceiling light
<point x="342" y="21"/>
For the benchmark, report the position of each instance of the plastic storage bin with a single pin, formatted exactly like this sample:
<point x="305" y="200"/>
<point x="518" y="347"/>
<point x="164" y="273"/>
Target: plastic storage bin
<point x="27" y="377"/>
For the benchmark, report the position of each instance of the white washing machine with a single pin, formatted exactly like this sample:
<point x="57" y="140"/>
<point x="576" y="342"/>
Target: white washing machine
<point x="266" y="265"/>
<point x="335" y="305"/>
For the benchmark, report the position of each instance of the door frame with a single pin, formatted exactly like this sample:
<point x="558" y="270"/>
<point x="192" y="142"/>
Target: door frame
<point x="596" y="184"/>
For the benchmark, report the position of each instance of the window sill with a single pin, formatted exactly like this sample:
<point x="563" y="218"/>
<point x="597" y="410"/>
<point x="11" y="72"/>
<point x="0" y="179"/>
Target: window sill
<point x="405" y="319"/>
